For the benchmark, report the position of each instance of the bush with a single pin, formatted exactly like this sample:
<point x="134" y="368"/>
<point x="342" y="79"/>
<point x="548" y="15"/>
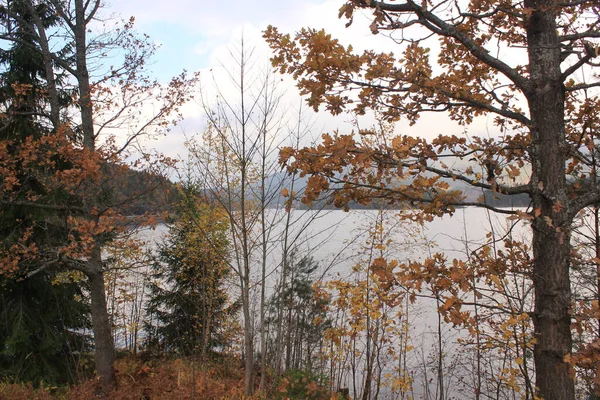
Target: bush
<point x="302" y="385"/>
<point x="164" y="379"/>
<point x="22" y="392"/>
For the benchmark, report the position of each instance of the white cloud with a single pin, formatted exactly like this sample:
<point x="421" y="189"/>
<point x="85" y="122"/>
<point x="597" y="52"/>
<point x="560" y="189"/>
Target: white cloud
<point x="214" y="30"/>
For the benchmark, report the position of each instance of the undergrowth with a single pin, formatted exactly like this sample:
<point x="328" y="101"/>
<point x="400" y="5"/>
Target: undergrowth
<point x="167" y="379"/>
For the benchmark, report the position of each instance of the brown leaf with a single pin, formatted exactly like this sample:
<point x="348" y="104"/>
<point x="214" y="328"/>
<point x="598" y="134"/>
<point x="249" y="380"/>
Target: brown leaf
<point x="374" y="28"/>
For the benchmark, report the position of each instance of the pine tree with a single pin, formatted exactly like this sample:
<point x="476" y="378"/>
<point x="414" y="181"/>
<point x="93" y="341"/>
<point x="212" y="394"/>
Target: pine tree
<point x="303" y="317"/>
<point x="43" y="315"/>
<point x="42" y="335"/>
<point x="188" y="302"/>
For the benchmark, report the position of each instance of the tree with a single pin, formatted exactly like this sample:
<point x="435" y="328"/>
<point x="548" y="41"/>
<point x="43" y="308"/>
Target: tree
<point x="36" y="345"/>
<point x="295" y="307"/>
<point x="188" y="300"/>
<point x="235" y="162"/>
<point x="229" y="168"/>
<point x="545" y="113"/>
<point x="366" y="345"/>
<point x="107" y="98"/>
<point x="44" y="329"/>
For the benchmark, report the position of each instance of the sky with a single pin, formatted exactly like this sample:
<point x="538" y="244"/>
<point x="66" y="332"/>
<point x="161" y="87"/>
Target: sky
<point x="192" y="34"/>
<point x="198" y="36"/>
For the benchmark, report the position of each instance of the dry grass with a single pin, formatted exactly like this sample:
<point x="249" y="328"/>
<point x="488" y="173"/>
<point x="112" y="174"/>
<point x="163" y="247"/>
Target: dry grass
<point x="156" y="380"/>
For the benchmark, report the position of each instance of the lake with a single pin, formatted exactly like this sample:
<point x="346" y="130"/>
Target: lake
<point x="339" y="242"/>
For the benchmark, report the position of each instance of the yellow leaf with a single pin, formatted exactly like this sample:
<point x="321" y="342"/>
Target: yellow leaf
<point x="519" y="361"/>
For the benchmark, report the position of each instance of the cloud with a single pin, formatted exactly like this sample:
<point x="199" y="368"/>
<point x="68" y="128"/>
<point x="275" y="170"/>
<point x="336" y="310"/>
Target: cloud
<point x="206" y="36"/>
<point x="214" y="19"/>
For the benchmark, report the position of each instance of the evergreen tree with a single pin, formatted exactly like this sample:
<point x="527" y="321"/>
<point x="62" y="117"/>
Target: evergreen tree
<point x="301" y="316"/>
<point x="188" y="302"/>
<point x="42" y="336"/>
<point x="43" y="315"/>
<point x="26" y="116"/>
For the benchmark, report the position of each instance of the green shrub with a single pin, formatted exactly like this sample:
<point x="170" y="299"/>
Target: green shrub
<point x="302" y="385"/>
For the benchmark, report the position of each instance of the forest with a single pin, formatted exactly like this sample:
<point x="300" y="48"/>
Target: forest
<point x="267" y="264"/>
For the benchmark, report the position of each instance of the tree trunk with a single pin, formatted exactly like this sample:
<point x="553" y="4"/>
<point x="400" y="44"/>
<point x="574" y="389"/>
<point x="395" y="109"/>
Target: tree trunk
<point x="105" y="350"/>
<point x="278" y="358"/>
<point x="552" y="320"/>
<point x="249" y="344"/>
<point x="105" y="354"/>
<point x="48" y="65"/>
<point x="551" y="235"/>
<point x="83" y="78"/>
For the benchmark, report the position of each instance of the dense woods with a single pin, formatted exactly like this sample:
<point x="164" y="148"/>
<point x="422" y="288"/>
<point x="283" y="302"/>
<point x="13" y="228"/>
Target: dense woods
<point x="127" y="274"/>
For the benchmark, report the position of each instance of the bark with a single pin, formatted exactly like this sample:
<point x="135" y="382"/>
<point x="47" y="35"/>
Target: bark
<point x="551" y="234"/>
<point x="105" y="354"/>
<point x="248" y="320"/>
<point x="366" y="395"/>
<point x="597" y="251"/>
<point x="283" y="284"/>
<point x="280" y="309"/>
<point x="105" y="350"/>
<point x="263" y="278"/>
<point x="83" y="78"/>
<point x="248" y="343"/>
<point x="48" y="65"/>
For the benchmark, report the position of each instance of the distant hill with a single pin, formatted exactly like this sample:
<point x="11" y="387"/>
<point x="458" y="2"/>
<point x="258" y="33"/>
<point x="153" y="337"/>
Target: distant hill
<point x="135" y="192"/>
<point x="142" y="192"/>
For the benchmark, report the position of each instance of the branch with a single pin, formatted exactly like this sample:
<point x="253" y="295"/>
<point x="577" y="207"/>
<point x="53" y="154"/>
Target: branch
<point x="467" y="102"/>
<point x="491" y="13"/>
<point x="43" y="267"/>
<point x="580" y="35"/>
<point x="443" y="28"/>
<point x="93" y="12"/>
<point x="582" y="61"/>
<point x="53" y="207"/>
<point x="587" y="199"/>
<point x="508" y="190"/>
<point x="78" y="265"/>
<point x="582" y="86"/>
<point x="75" y="264"/>
<point x="61" y="12"/>
<point x="500" y="111"/>
<point x="420" y="200"/>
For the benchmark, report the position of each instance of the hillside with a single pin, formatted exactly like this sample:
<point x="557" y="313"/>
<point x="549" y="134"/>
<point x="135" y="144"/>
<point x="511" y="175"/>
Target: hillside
<point x="135" y="192"/>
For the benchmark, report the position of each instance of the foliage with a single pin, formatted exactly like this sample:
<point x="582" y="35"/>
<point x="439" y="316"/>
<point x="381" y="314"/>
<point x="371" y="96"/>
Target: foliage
<point x="367" y="345"/>
<point x="22" y="392"/>
<point x="301" y="314"/>
<point x="44" y="329"/>
<point x="189" y="304"/>
<point x="23" y="84"/>
<point x="81" y="154"/>
<point x="234" y="160"/>
<point x="299" y="385"/>
<point x="161" y="379"/>
<point x="23" y="100"/>
<point x="542" y="99"/>
<point x="45" y="316"/>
